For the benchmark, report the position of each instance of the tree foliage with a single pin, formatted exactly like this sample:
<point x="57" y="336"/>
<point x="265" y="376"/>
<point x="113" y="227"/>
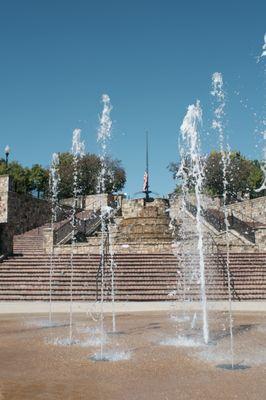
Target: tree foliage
<point x="89" y="168"/>
<point x="243" y="175"/>
<point x="35" y="180"/>
<point x="26" y="180"/>
<point x="39" y="180"/>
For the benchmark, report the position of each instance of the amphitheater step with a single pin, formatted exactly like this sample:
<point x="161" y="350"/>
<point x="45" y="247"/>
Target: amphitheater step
<point x="31" y="273"/>
<point x="153" y="277"/>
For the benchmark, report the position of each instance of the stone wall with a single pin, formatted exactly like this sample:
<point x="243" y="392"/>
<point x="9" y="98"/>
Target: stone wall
<point x="26" y="212"/>
<point x="133" y="248"/>
<point x="207" y="201"/>
<point x="260" y="237"/>
<point x="238" y="243"/>
<point x="19" y="213"/>
<point x="70" y="200"/>
<point x="4" y="189"/>
<point x="5" y="235"/>
<point x="139" y="208"/>
<point x="93" y="202"/>
<point x="142" y="228"/>
<point x="247" y="210"/>
<point x="250" y="209"/>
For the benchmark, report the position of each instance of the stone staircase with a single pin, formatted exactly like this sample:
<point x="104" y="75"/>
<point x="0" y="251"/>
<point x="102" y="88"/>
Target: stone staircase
<point x="138" y="277"/>
<point x="249" y="275"/>
<point x="30" y="242"/>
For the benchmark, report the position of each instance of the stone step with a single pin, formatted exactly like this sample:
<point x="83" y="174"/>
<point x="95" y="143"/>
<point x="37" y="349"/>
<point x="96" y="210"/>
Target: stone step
<point x="135" y="298"/>
<point x="119" y="292"/>
<point x="119" y="268"/>
<point x="138" y="277"/>
<point x="158" y="257"/>
<point x="127" y="267"/>
<point x="42" y="256"/>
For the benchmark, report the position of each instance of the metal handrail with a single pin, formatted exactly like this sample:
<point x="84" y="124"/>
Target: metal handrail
<point x="240" y="226"/>
<point x="243" y="228"/>
<point x="208" y="215"/>
<point x="104" y="259"/>
<point x="222" y="262"/>
<point x="83" y="226"/>
<point x="102" y="263"/>
<point x="246" y="218"/>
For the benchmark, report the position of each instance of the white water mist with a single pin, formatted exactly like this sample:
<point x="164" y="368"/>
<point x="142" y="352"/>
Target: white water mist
<point x="218" y="124"/>
<point x="112" y="270"/>
<point x="190" y="135"/>
<point x="263" y="133"/>
<point x="184" y="272"/>
<point x="104" y="134"/>
<point x="54" y="190"/>
<point x="78" y="151"/>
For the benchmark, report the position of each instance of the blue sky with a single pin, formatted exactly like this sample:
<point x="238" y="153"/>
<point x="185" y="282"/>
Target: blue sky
<point x="152" y="57"/>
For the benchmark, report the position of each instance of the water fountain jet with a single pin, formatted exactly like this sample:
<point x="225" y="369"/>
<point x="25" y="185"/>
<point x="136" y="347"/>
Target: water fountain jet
<point x="104" y="133"/>
<point x="54" y="185"/>
<point x="218" y="124"/>
<point x="263" y="162"/>
<point x="190" y="135"/>
<point x="78" y="151"/>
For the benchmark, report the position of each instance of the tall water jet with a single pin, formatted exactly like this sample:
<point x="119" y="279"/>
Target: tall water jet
<point x="112" y="270"/>
<point x="54" y="185"/>
<point x="262" y="58"/>
<point x="218" y="124"/>
<point x="181" y="246"/>
<point x="190" y="134"/>
<point x="78" y="151"/>
<point x="104" y="134"/>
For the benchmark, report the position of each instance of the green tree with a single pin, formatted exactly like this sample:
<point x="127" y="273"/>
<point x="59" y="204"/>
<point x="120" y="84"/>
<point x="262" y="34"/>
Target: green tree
<point x="36" y="179"/>
<point x="19" y="174"/>
<point x="89" y="168"/>
<point x="39" y="180"/>
<point x="66" y="175"/>
<point x="243" y="175"/>
<point x="256" y="178"/>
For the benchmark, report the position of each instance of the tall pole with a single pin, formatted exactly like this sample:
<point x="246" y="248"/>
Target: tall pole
<point x="147" y="165"/>
<point x="147" y="153"/>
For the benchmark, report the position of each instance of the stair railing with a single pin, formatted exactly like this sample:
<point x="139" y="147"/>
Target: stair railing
<point x="216" y="219"/>
<point x="105" y="256"/>
<point x="103" y="263"/>
<point x="244" y="217"/>
<point x="84" y="226"/>
<point x="222" y="265"/>
<point x="243" y="228"/>
<point x="3" y="257"/>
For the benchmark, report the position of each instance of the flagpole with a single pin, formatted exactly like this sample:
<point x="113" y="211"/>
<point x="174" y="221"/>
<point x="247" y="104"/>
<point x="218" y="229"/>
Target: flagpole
<point x="147" y="165"/>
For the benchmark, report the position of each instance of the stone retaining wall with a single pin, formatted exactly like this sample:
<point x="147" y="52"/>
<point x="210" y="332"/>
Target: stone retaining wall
<point x="142" y="228"/>
<point x="133" y="248"/>
<point x="93" y="202"/>
<point x="139" y="208"/>
<point x="251" y="209"/>
<point x="18" y="214"/>
<point x="26" y="212"/>
<point x="4" y="189"/>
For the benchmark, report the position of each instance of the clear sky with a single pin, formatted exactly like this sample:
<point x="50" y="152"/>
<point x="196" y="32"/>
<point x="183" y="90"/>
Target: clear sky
<point x="152" y="57"/>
